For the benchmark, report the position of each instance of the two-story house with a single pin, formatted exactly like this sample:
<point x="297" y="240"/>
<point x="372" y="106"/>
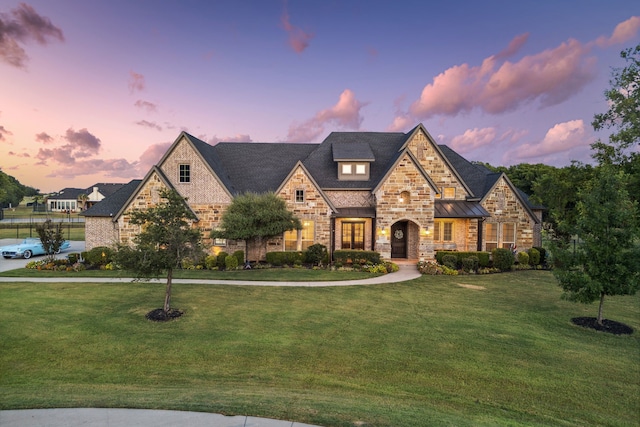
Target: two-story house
<point x="400" y="194"/>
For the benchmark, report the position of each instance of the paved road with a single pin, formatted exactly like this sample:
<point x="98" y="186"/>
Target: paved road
<point x="12" y="264"/>
<point x="100" y="417"/>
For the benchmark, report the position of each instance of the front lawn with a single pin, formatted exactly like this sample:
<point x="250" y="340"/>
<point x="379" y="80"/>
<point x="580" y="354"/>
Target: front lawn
<point x="440" y="350"/>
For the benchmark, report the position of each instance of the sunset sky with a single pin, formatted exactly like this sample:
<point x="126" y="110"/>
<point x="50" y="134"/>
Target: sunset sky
<point x="95" y="91"/>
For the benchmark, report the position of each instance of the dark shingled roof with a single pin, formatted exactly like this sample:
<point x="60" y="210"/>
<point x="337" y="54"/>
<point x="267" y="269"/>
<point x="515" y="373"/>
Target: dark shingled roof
<point x="111" y="205"/>
<point x="105" y="188"/>
<point x="68" y="194"/>
<point x="258" y="167"/>
<point x="384" y="146"/>
<point x="352" y="151"/>
<point x="459" y="209"/>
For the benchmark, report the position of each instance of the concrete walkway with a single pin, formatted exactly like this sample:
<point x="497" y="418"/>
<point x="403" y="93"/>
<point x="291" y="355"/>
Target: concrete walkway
<point x="98" y="417"/>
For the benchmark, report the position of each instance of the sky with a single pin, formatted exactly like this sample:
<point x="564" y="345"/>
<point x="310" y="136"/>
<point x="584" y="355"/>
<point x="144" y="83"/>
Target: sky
<point x="96" y="91"/>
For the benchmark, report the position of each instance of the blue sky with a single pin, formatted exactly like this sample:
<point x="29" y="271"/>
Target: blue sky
<point x="95" y="91"/>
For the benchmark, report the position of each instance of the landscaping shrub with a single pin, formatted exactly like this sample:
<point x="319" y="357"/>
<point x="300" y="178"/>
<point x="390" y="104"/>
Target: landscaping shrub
<point x="98" y="256"/>
<point x="211" y="262"/>
<point x="281" y="258"/>
<point x="231" y="263"/>
<point x="348" y="256"/>
<point x="239" y="254"/>
<point x="484" y="258"/>
<point x="470" y="263"/>
<point x="429" y="267"/>
<point x="317" y="254"/>
<point x="523" y="258"/>
<point x="391" y="267"/>
<point x="543" y="254"/>
<point x="503" y="259"/>
<point x="534" y="257"/>
<point x="451" y="261"/>
<point x="73" y="257"/>
<point x="222" y="256"/>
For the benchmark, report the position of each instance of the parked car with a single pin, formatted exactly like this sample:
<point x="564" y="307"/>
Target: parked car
<point x="29" y="247"/>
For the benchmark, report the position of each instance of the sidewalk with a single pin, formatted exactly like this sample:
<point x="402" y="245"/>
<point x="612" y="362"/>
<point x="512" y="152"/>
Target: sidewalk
<point x="96" y="417"/>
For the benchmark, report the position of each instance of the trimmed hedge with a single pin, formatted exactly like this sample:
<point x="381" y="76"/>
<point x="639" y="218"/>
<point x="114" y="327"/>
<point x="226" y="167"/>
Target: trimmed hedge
<point x="285" y="258"/>
<point x="316" y="254"/>
<point x="503" y="259"/>
<point x="346" y="256"/>
<point x="534" y="256"/>
<point x="483" y="257"/>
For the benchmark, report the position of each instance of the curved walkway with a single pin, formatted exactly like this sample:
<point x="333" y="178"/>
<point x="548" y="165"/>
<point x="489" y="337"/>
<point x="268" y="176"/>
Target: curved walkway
<point x="108" y="417"/>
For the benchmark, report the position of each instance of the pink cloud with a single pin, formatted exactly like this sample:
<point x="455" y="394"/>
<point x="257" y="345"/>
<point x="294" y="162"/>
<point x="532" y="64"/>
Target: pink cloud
<point x="21" y="25"/>
<point x="145" y="105"/>
<point x="136" y="82"/>
<point x="473" y="138"/>
<point x="81" y="144"/>
<point x="44" y="137"/>
<point x="345" y="114"/>
<point x="117" y="168"/>
<point x="494" y="87"/>
<point x="3" y="133"/>
<point x="560" y="138"/>
<point x="298" y="39"/>
<point x="151" y="155"/>
<point x="514" y="46"/>
<point x="151" y="125"/>
<point x="623" y="32"/>
<point x="11" y="153"/>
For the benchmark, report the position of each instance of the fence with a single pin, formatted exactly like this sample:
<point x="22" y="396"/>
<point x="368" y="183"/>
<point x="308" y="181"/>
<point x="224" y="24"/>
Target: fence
<point x="20" y="230"/>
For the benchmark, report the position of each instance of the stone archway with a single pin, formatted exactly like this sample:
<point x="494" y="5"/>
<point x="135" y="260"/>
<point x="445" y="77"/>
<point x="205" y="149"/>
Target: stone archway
<point x="405" y="240"/>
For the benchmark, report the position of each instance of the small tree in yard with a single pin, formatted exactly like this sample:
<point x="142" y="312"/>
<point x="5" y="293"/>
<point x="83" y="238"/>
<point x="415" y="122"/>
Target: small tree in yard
<point x="607" y="262"/>
<point x="255" y="218"/>
<point x="51" y="237"/>
<point x="165" y="240"/>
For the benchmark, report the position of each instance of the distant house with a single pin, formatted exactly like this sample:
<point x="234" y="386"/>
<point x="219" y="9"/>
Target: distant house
<point x="400" y="194"/>
<point x="79" y="199"/>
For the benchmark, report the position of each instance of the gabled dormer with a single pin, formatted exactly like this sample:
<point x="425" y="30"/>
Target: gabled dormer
<point x="353" y="160"/>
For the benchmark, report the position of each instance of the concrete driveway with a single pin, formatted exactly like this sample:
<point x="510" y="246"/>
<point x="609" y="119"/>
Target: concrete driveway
<point x="12" y="264"/>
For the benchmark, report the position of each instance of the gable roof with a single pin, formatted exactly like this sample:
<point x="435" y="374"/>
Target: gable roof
<point x="111" y="205"/>
<point x="67" y="194"/>
<point x="384" y="146"/>
<point x="105" y="188"/>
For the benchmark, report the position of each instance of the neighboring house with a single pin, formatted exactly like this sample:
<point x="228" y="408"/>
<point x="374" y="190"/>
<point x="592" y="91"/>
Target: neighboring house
<point x="400" y="194"/>
<point x="79" y="199"/>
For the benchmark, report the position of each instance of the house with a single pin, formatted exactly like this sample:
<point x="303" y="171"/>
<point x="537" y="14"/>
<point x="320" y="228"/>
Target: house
<point x="400" y="194"/>
<point x="79" y="199"/>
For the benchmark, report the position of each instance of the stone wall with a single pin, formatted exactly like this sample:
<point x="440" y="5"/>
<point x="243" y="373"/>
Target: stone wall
<point x="350" y="198"/>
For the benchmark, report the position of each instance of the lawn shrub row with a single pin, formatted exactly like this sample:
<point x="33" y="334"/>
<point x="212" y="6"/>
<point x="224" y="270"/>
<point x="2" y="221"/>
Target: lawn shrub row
<point x="347" y="256"/>
<point x="483" y="258"/>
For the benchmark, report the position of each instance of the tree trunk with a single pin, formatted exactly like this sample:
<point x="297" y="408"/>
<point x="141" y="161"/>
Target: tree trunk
<point x="600" y="308"/>
<point x="167" y="294"/>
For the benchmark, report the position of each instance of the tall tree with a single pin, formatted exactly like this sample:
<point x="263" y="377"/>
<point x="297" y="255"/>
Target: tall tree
<point x="624" y="113"/>
<point x="607" y="260"/>
<point x="254" y="218"/>
<point x="166" y="238"/>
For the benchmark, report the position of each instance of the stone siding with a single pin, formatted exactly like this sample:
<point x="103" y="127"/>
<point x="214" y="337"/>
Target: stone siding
<point x="418" y="209"/>
<point x="505" y="207"/>
<point x="350" y="198"/>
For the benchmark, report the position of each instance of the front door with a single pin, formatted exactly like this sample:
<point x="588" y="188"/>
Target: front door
<point x="399" y="240"/>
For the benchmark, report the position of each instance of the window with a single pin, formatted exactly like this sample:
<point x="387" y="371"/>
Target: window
<point x="300" y="240"/>
<point x="491" y="233"/>
<point x="219" y="242"/>
<point x="443" y="231"/>
<point x="508" y="235"/>
<point x="346" y="169"/>
<point x="449" y="192"/>
<point x="299" y="196"/>
<point x="361" y="169"/>
<point x="185" y="173"/>
<point x="353" y="235"/>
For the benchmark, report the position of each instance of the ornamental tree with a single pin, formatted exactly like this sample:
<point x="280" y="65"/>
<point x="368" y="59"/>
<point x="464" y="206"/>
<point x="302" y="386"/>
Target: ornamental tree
<point x="51" y="236"/>
<point x="607" y="260"/>
<point x="166" y="238"/>
<point x="255" y="218"/>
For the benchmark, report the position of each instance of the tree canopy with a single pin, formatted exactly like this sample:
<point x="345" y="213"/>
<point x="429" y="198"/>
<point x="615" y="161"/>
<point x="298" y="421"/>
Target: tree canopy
<point x="253" y="217"/>
<point x="165" y="240"/>
<point x="12" y="192"/>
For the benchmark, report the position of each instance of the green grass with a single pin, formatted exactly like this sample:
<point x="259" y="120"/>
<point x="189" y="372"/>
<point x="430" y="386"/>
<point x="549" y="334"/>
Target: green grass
<point x="271" y="274"/>
<point x="421" y="353"/>
<point x="73" y="231"/>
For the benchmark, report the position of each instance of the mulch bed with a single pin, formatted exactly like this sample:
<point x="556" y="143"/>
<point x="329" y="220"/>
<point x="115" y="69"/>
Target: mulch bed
<point x="159" y="315"/>
<point x="609" y="326"/>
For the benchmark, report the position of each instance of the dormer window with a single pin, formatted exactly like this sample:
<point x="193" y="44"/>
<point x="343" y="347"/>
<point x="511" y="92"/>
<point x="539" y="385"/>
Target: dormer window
<point x="347" y="168"/>
<point x="354" y="160"/>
